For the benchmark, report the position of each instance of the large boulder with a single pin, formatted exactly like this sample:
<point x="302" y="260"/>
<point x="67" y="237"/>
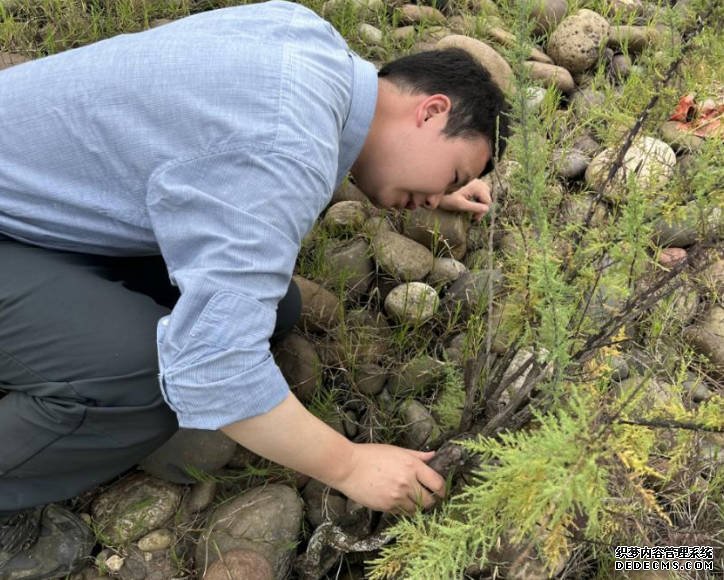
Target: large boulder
<point x="578" y="40"/>
<point x="132" y="507"/>
<point x="189" y="452"/>
<point x="266" y="520"/>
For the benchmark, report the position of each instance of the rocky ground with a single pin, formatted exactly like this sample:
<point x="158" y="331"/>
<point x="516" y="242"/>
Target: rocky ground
<point x="398" y="309"/>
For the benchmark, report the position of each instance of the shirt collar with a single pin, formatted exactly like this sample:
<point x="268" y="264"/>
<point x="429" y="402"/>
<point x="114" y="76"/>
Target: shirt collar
<point x="361" y="112"/>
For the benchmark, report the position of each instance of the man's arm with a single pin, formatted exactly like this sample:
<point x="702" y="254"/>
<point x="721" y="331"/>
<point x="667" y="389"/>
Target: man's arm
<point x="381" y="477"/>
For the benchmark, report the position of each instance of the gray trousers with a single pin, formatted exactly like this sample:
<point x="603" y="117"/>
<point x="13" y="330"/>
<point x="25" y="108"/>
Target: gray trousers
<point x="80" y="401"/>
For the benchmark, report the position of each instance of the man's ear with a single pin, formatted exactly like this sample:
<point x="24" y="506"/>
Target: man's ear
<point x="431" y="106"/>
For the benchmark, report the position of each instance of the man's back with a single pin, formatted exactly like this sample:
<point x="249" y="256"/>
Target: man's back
<point x="85" y="132"/>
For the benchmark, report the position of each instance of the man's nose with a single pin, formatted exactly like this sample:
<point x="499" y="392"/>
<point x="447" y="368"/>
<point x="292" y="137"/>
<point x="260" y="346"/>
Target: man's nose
<point x="433" y="201"/>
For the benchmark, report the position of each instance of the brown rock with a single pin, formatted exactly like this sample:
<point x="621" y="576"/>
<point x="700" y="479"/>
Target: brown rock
<point x="320" y="308"/>
<point x="351" y="261"/>
<point x="442" y="232"/>
<point x="8" y="59"/>
<point x="551" y="76"/>
<point x="548" y="13"/>
<point x="414" y="14"/>
<point x="401" y="257"/>
<point x="632" y="39"/>
<point x="240" y="565"/>
<point x="300" y="365"/>
<point x="707" y="336"/>
<point x="508" y="40"/>
<point x="494" y="63"/>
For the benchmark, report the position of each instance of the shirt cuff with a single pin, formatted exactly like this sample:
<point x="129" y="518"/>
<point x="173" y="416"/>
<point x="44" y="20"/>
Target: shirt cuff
<point x="216" y="403"/>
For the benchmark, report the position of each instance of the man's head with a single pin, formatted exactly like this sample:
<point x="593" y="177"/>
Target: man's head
<point x="440" y="121"/>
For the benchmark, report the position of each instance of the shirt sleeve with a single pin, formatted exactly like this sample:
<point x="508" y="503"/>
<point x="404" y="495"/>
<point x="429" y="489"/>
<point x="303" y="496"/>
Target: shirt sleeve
<point x="229" y="226"/>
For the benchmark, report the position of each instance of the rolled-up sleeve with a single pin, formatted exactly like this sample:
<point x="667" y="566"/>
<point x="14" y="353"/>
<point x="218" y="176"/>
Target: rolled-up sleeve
<point x="229" y="225"/>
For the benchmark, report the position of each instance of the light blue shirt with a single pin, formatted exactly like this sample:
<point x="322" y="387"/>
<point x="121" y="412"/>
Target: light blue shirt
<point x="215" y="140"/>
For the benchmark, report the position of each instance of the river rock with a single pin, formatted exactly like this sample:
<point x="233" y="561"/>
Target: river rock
<point x="370" y="378"/>
<point x="678" y="138"/>
<point x="649" y="160"/>
<point x="551" y="75"/>
<point x="444" y="271"/>
<point x="348" y="192"/>
<point x="241" y="565"/>
<point x="620" y="67"/>
<point x="417" y="377"/>
<point x="496" y="65"/>
<point x="156" y="540"/>
<point x="322" y="503"/>
<point x="412" y="303"/>
<point x="401" y="257"/>
<point x="584" y="100"/>
<point x="419" y="427"/>
<point x="300" y="364"/>
<point x="415" y="14"/>
<point x="8" y="59"/>
<point x="712" y="278"/>
<point x="351" y="261"/>
<point x="707" y="336"/>
<point x="266" y="520"/>
<point x="683" y="226"/>
<point x="345" y="216"/>
<point x="320" y="308"/>
<point x="200" y="496"/>
<point x="470" y="291"/>
<point x="569" y="164"/>
<point x="361" y="7"/>
<point x="547" y="14"/>
<point x="369" y="34"/>
<point x="576" y="42"/>
<point x="631" y="39"/>
<point x="134" y="506"/>
<point x="509" y="40"/>
<point x="189" y="451"/>
<point x="440" y="231"/>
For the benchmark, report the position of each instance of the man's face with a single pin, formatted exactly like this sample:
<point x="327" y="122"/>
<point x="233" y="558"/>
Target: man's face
<point x="408" y="162"/>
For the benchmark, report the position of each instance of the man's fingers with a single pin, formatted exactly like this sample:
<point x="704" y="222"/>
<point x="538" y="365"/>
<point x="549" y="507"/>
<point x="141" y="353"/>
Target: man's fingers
<point x="432" y="480"/>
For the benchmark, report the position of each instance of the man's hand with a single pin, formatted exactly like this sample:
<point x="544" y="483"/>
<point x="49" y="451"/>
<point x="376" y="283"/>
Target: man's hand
<point x="473" y="198"/>
<point x="388" y="478"/>
<point x="381" y="477"/>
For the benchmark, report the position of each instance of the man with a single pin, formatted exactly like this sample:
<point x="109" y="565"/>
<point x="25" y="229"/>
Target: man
<point x="214" y="141"/>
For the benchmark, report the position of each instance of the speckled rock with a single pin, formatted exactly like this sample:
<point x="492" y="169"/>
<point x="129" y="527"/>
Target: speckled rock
<point x="401" y="257"/>
<point x="443" y="232"/>
<point x="577" y="41"/>
<point x="187" y="451"/>
<point x="412" y="303"/>
<point x="320" y="308"/>
<point x="300" y="364"/>
<point x="266" y="520"/>
<point x="351" y="260"/>
<point x="134" y="506"/>
<point x="649" y="160"/>
<point x="241" y="565"/>
<point x="551" y="75"/>
<point x="499" y="69"/>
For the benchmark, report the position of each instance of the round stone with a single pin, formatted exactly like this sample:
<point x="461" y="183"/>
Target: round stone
<point x="576" y="42"/>
<point x="412" y="303"/>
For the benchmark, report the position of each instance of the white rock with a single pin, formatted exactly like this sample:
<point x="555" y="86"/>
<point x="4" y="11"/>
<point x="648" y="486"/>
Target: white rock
<point x="414" y="302"/>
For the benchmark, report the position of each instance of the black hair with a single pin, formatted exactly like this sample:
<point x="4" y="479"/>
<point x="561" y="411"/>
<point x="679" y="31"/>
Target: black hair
<point x="479" y="107"/>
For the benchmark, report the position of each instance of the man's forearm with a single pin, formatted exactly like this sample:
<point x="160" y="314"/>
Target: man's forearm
<point x="291" y="436"/>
